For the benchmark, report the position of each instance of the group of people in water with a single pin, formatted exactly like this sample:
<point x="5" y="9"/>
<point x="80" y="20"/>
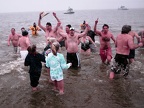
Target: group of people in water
<point x="56" y="37"/>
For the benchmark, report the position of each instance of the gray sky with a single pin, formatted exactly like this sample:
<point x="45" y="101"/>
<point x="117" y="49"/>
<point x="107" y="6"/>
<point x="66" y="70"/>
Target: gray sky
<point x="55" y="5"/>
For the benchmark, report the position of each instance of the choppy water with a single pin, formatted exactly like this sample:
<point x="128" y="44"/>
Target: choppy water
<point x="88" y="87"/>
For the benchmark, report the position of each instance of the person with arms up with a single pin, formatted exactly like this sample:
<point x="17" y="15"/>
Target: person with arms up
<point x="49" y="31"/>
<point x="85" y="45"/>
<point x="105" y="47"/>
<point x="34" y="29"/>
<point x="91" y="34"/>
<point x="72" y="41"/>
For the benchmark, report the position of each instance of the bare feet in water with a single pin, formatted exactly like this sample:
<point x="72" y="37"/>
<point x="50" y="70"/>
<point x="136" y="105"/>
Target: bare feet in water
<point x="34" y="88"/>
<point x="55" y="90"/>
<point x="60" y="93"/>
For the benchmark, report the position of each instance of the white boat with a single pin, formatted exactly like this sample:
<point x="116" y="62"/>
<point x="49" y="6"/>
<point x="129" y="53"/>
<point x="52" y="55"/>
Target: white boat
<point x="69" y="11"/>
<point x="122" y="8"/>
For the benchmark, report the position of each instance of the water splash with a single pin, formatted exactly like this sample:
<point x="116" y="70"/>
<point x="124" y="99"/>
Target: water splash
<point x="9" y="66"/>
<point x="136" y="66"/>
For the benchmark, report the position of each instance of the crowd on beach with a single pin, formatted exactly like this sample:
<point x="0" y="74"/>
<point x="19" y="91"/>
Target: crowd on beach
<point x="71" y="39"/>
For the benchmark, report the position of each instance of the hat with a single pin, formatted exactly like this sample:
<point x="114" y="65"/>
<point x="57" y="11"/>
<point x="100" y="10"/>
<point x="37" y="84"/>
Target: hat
<point x="72" y="28"/>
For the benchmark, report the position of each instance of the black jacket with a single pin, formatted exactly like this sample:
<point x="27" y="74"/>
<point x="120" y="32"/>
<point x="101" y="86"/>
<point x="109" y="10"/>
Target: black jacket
<point x="34" y="61"/>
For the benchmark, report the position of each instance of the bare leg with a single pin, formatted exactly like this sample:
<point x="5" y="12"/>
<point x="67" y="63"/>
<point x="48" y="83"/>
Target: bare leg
<point x="55" y="86"/>
<point x="131" y="60"/>
<point x="34" y="89"/>
<point x="15" y="50"/>
<point x="103" y="57"/>
<point x="111" y="75"/>
<point x="109" y="59"/>
<point x="49" y="78"/>
<point x="61" y="87"/>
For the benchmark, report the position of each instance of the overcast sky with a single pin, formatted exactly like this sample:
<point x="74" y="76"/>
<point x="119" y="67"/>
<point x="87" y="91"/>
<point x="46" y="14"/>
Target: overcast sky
<point x="55" y="5"/>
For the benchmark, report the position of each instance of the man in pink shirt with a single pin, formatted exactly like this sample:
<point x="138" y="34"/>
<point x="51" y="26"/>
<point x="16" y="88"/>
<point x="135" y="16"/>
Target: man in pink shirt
<point x="13" y="37"/>
<point x="124" y="42"/>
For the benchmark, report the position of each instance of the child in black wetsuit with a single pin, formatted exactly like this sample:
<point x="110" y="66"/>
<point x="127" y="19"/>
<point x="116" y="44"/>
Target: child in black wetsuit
<point x="34" y="59"/>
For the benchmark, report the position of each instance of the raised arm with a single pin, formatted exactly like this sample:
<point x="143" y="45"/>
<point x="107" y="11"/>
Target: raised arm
<point x="39" y="22"/>
<point x="95" y="28"/>
<point x="58" y="22"/>
<point x="85" y="31"/>
<point x="54" y="14"/>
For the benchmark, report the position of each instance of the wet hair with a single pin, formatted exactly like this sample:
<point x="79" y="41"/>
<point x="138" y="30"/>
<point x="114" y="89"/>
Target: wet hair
<point x="34" y="24"/>
<point x="84" y="22"/>
<point x="24" y="33"/>
<point x="29" y="49"/>
<point x="126" y="29"/>
<point x="22" y="28"/>
<point x="48" y="23"/>
<point x="105" y="25"/>
<point x="13" y="29"/>
<point x="69" y="26"/>
<point x="32" y="49"/>
<point x="55" y="50"/>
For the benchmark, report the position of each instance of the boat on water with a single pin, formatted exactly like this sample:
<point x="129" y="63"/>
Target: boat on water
<point x="69" y="11"/>
<point x="122" y="8"/>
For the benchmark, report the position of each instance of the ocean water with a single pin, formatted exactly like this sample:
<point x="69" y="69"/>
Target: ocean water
<point x="15" y="79"/>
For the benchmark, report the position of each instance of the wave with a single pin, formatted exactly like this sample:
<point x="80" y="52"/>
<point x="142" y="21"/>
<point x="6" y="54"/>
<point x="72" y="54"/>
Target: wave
<point x="12" y="65"/>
